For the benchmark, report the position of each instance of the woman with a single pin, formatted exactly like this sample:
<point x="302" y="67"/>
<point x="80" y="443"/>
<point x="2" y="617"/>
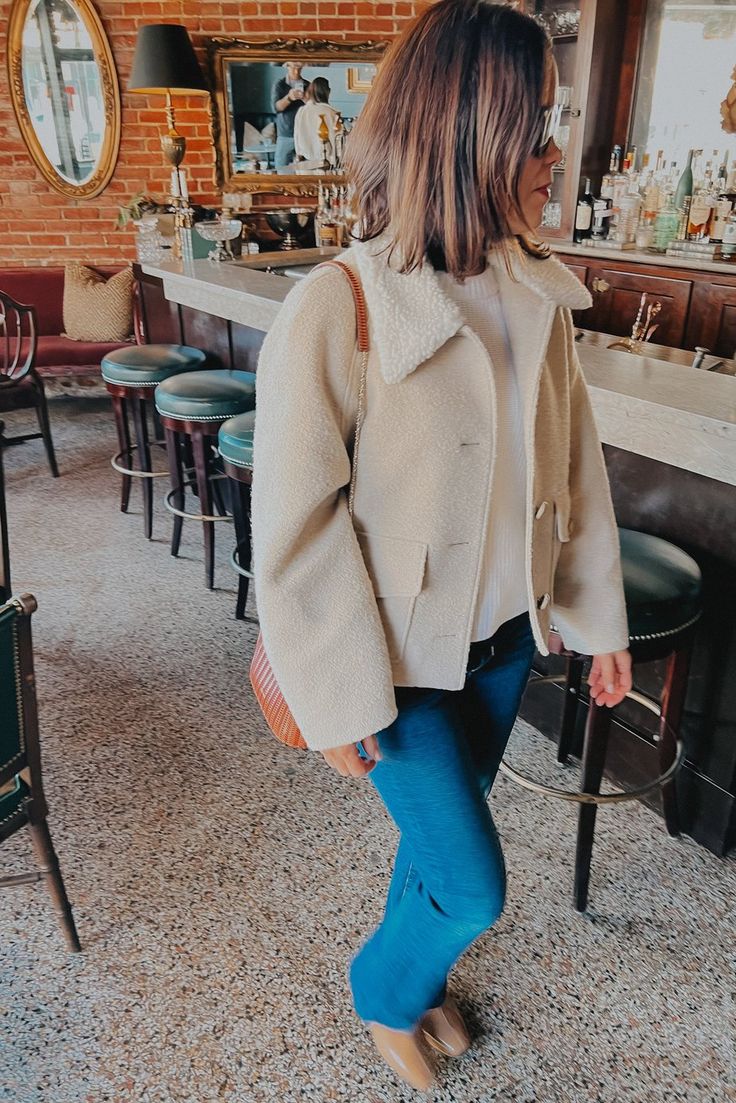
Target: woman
<point x="307" y="142"/>
<point x="402" y="638"/>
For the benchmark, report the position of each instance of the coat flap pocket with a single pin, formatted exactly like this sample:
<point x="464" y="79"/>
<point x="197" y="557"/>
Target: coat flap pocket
<point x="396" y="566"/>
<point x="562" y="515"/>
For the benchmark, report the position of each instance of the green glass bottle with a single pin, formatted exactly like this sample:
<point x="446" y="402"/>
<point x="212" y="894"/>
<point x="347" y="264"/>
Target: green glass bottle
<point x="665" y="226"/>
<point x="685" y="185"/>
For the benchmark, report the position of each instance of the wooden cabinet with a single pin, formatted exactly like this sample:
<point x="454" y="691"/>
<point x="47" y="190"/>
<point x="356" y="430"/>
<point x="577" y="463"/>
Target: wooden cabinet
<point x="580" y="270"/>
<point x="712" y="322"/>
<point x="616" y="296"/>
<point x="698" y="307"/>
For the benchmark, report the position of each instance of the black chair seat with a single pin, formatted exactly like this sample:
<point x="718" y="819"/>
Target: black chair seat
<point x="662" y="584"/>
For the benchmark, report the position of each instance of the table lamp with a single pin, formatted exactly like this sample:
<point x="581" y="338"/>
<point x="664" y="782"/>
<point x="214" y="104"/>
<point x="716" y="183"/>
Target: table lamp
<point x="165" y="64"/>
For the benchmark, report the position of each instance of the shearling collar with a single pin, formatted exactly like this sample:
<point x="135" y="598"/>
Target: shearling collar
<point x="411" y="317"/>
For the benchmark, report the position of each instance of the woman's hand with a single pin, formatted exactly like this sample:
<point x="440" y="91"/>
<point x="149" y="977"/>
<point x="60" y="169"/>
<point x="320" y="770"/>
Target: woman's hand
<point x="348" y="762"/>
<point x="610" y="678"/>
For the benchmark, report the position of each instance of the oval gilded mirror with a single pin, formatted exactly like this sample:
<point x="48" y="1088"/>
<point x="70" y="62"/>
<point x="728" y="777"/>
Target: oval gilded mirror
<point x="65" y="92"/>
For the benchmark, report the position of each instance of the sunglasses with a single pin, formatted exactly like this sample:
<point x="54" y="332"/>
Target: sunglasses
<point x="549" y="124"/>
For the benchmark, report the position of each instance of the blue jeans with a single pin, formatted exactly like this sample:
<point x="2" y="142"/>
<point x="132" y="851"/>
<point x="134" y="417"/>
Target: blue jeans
<point x="439" y="761"/>
<point x="285" y="152"/>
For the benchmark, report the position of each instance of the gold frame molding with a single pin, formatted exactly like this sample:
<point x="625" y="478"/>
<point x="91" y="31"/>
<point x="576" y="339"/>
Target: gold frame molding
<point x="102" y="175"/>
<point x="355" y="84"/>
<point x="220" y="51"/>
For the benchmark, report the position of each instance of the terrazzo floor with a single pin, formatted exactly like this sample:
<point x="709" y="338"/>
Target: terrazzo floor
<point x="221" y="882"/>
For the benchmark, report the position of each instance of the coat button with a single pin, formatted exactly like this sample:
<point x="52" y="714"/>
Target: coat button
<point x="543" y="601"/>
<point x="541" y="510"/>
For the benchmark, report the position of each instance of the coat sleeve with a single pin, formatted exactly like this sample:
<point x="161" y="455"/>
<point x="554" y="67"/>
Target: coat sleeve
<point x="320" y="623"/>
<point x="589" y="607"/>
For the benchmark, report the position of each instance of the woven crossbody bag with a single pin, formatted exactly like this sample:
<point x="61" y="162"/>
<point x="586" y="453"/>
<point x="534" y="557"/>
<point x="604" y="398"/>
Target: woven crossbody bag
<point x="271" y="702"/>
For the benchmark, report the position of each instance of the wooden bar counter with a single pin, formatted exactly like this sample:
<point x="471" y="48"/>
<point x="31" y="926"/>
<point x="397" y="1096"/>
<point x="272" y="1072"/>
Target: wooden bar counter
<point x="669" y="435"/>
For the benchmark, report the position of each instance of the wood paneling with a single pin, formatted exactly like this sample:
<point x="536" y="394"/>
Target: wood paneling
<point x="616" y="296"/>
<point x="712" y="322"/>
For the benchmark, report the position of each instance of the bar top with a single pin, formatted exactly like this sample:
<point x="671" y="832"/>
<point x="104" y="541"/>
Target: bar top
<point x="660" y="260"/>
<point x="669" y="412"/>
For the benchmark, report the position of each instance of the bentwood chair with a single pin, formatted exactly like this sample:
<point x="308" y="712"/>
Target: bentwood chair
<point x="21" y="387"/>
<point x="22" y="800"/>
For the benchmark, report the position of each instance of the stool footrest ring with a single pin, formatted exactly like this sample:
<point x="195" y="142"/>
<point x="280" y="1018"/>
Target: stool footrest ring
<point x="235" y="564"/>
<point x="600" y="798"/>
<point x="192" y="516"/>
<point x="116" y="464"/>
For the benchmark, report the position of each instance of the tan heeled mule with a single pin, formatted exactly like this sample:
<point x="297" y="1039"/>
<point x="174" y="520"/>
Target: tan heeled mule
<point x="445" y="1029"/>
<point x="404" y="1052"/>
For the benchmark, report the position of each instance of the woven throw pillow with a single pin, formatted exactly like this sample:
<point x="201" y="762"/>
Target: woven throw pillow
<point x="96" y="309"/>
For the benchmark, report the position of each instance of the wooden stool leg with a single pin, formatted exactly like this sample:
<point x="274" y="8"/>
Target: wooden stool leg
<point x="49" y="867"/>
<point x="570" y="708"/>
<point x="42" y="412"/>
<point x="673" y="704"/>
<point x="240" y="498"/>
<point x="594" y="758"/>
<point x="158" y="432"/>
<point x="218" y="497"/>
<point x="144" y="461"/>
<point x="121" y="424"/>
<point x="200" y="447"/>
<point x="176" y="474"/>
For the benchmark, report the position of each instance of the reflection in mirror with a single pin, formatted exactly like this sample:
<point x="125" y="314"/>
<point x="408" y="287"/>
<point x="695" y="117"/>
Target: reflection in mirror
<point x="62" y="87"/>
<point x="292" y="118"/>
<point x="688" y="55"/>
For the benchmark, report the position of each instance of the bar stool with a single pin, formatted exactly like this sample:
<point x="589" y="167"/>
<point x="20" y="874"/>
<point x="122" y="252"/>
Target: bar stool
<point x="131" y="376"/>
<point x="662" y="585"/>
<point x="235" y="445"/>
<point x="192" y="407"/>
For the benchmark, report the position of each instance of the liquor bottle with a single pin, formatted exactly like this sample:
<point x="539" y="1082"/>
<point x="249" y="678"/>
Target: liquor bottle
<point x="584" y="214"/>
<point x="602" y="211"/>
<point x="723" y="167"/>
<point x="609" y="180"/>
<point x="614" y="187"/>
<point x="728" y="248"/>
<point x="723" y="210"/>
<point x="684" y="188"/>
<point x="700" y="215"/>
<point x="665" y="226"/>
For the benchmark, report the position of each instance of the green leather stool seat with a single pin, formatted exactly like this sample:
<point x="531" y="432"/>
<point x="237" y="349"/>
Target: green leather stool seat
<point x="149" y="365"/>
<point x="662" y="584"/>
<point x="206" y="395"/>
<point x="235" y="439"/>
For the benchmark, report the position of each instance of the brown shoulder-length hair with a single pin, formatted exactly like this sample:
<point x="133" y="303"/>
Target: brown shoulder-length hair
<point x="438" y="150"/>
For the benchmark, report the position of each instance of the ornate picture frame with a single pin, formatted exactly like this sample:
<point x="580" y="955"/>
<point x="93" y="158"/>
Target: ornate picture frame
<point x="102" y="174"/>
<point x="221" y="51"/>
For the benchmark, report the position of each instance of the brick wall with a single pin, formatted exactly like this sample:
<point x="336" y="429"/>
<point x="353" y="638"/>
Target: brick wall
<point x="40" y="226"/>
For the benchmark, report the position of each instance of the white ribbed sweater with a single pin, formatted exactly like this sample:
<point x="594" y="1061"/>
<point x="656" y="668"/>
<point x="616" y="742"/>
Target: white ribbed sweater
<point x="502" y="594"/>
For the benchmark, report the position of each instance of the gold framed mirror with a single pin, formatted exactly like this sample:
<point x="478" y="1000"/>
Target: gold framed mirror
<point x="65" y="93"/>
<point x="282" y="110"/>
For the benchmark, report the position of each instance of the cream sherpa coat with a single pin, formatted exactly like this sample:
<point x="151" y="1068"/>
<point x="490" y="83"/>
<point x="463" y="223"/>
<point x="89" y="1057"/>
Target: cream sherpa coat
<point x="347" y="612"/>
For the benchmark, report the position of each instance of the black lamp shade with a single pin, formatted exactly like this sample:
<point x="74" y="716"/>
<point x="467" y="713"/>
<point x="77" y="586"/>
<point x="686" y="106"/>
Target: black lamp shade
<point x="165" y="61"/>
